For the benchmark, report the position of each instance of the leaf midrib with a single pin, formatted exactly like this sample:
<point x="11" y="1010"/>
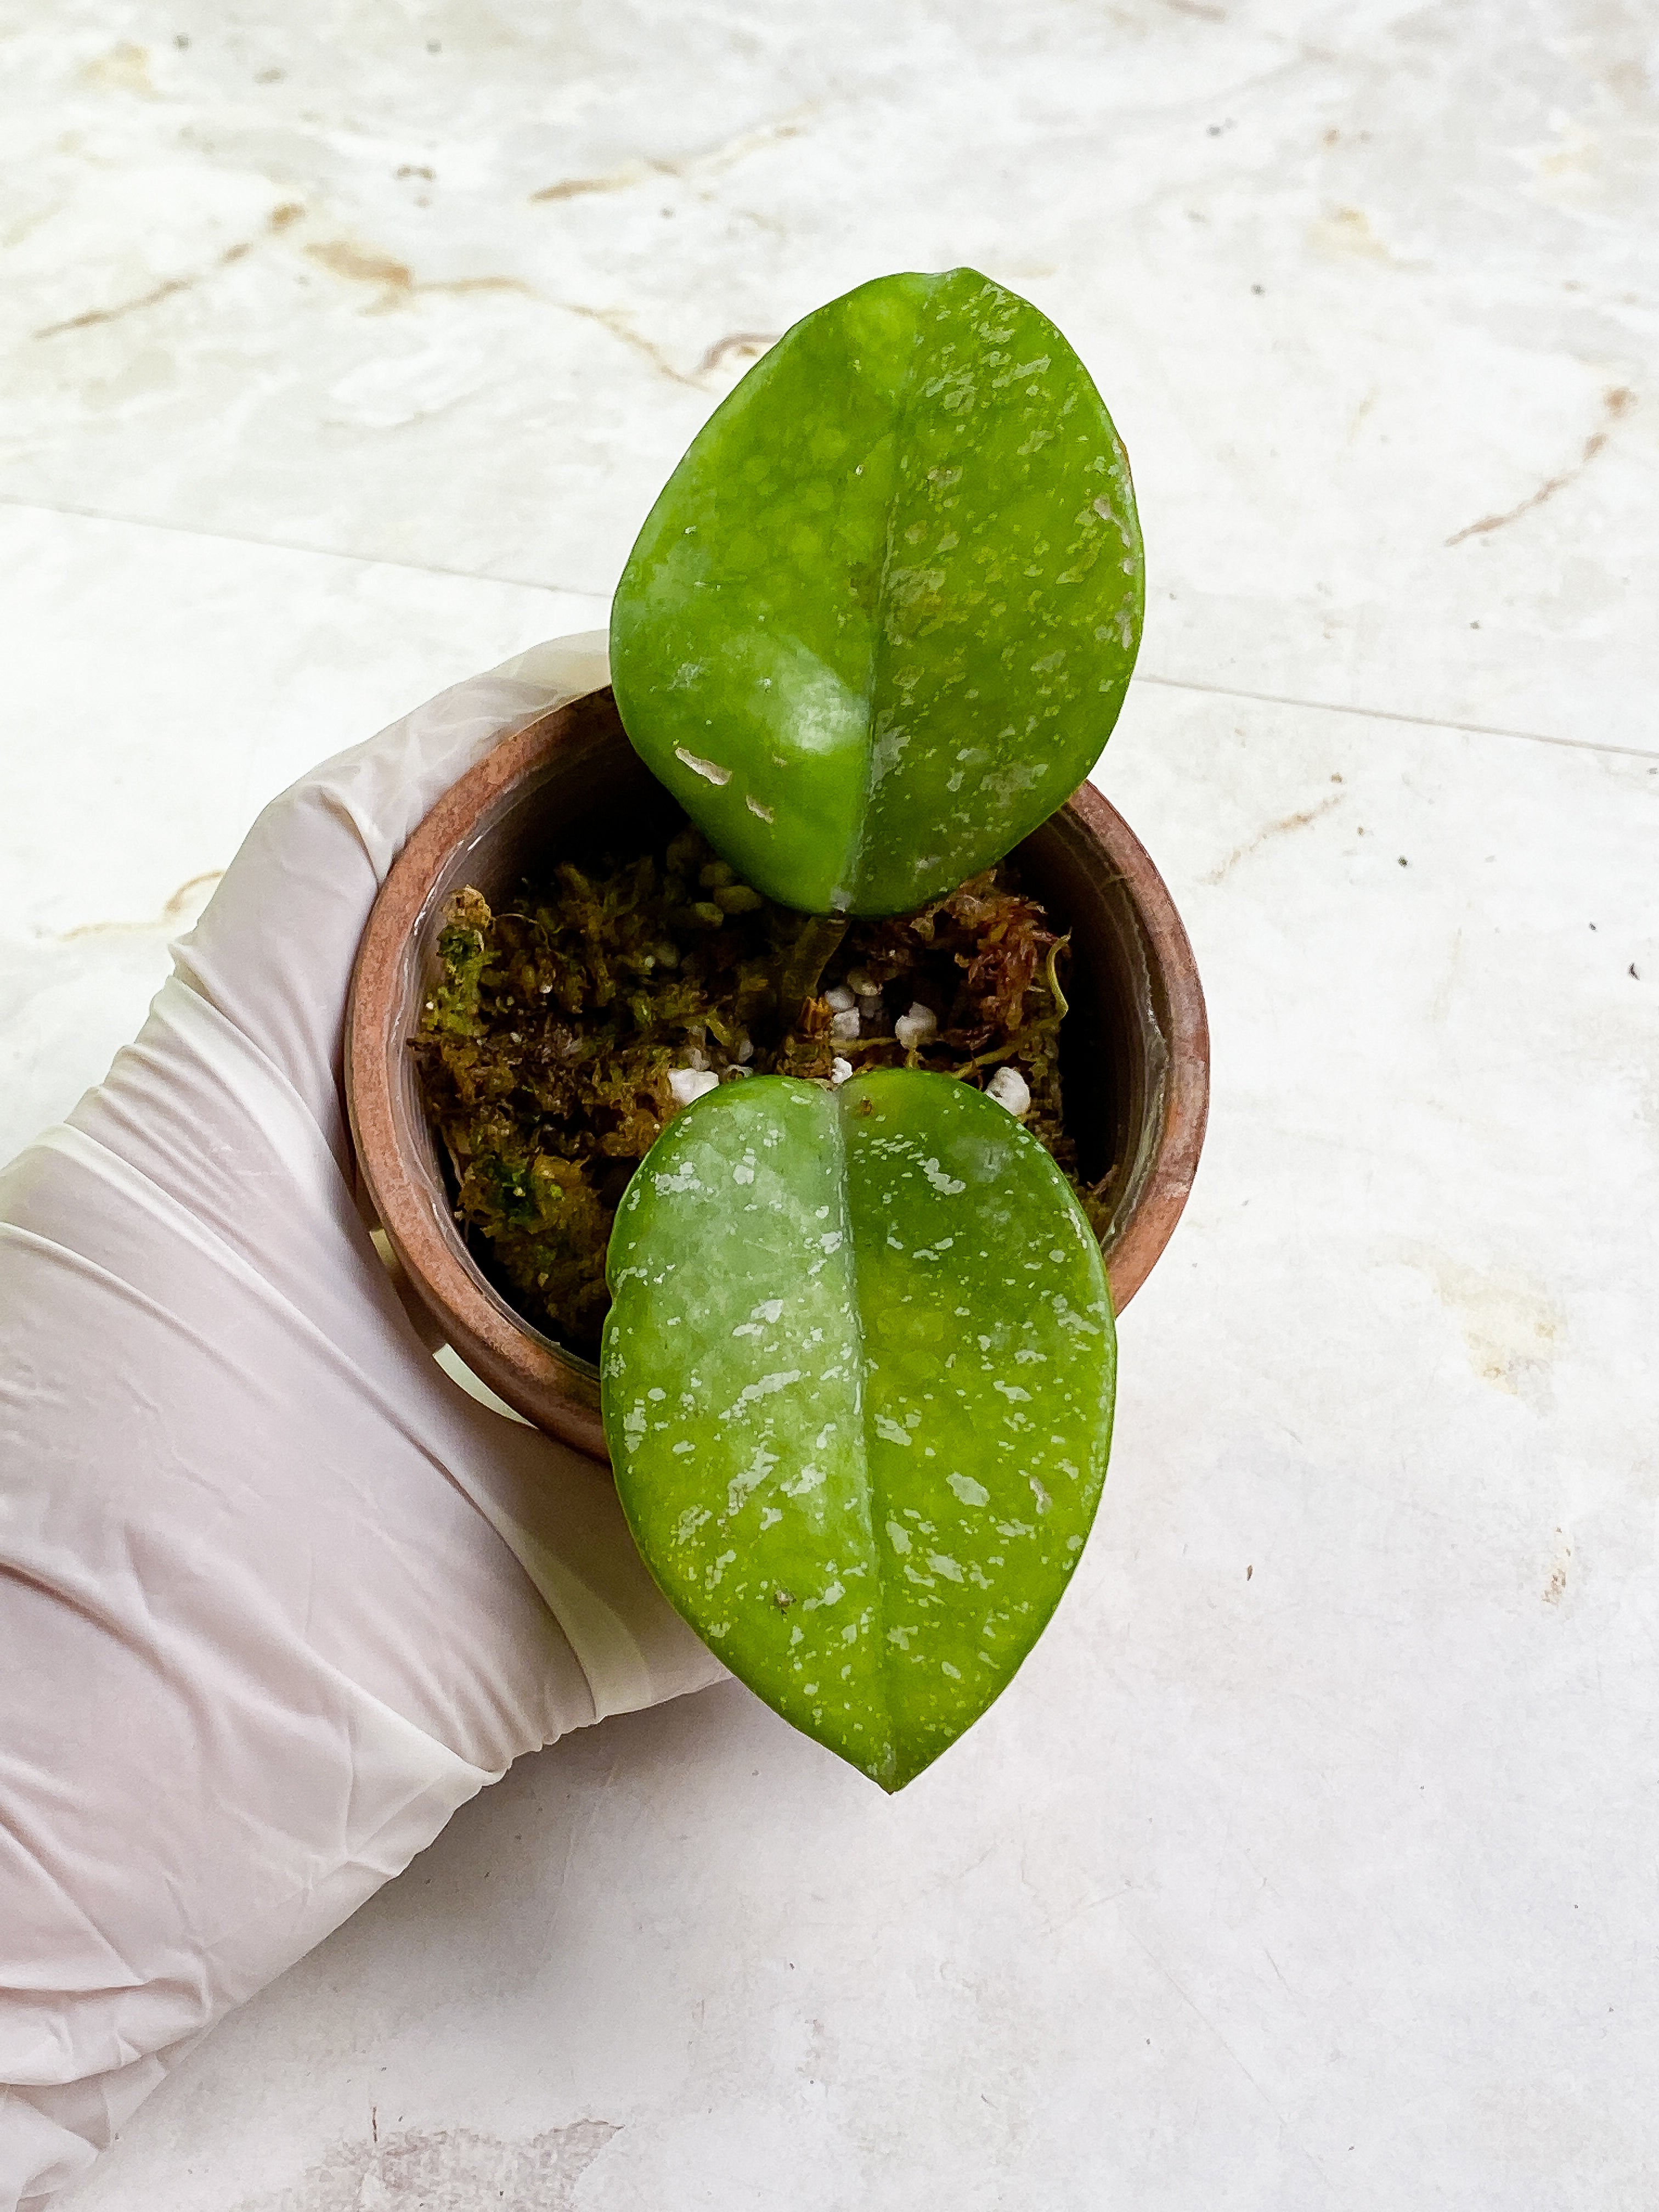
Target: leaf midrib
<point x="840" y="1109"/>
<point x="855" y="866"/>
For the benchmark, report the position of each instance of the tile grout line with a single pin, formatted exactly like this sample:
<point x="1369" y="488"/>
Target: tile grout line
<point x="291" y="545"/>
<point x="1390" y="714"/>
<point x="575" y="591"/>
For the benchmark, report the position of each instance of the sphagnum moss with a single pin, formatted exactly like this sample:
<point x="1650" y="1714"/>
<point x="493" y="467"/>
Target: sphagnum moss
<point x="548" y="1045"/>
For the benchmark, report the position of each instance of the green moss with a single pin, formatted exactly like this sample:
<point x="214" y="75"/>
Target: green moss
<point x="546" y="1046"/>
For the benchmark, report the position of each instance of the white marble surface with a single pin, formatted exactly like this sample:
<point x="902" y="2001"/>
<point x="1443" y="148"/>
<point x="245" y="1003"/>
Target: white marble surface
<point x="1311" y="1860"/>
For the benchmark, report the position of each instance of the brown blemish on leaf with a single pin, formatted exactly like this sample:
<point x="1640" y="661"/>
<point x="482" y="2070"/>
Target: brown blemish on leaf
<point x="279" y="218"/>
<point x="1615" y="403"/>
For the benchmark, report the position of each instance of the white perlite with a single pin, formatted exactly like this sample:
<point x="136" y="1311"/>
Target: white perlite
<point x="840" y="1071"/>
<point x="916" y="1027"/>
<point x="844" y="1027"/>
<point x="689" y="1083"/>
<point x="839" y="999"/>
<point x="1010" y="1089"/>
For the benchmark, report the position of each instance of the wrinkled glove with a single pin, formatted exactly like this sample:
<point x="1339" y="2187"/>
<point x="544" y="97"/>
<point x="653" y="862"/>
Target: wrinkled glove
<point x="277" y="1594"/>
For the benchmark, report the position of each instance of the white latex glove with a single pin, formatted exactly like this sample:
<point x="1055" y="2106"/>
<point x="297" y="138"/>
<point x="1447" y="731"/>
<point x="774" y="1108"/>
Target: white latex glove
<point x="276" y="1594"/>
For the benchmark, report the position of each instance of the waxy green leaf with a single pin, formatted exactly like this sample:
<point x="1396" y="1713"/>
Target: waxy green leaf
<point x="858" y="1392"/>
<point x="880" y="622"/>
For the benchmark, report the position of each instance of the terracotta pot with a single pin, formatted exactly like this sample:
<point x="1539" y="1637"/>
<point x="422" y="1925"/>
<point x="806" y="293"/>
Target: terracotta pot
<point x="1135" y="1057"/>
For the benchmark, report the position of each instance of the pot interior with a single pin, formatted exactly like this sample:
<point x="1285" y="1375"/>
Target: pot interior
<point x="593" y="791"/>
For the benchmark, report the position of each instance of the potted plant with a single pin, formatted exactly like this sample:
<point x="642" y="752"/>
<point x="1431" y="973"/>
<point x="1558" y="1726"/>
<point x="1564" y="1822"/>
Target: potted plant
<point x="858" y="1356"/>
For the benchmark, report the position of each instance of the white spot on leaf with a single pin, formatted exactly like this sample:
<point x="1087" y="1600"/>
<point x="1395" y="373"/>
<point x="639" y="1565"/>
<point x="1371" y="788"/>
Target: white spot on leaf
<point x="711" y="770"/>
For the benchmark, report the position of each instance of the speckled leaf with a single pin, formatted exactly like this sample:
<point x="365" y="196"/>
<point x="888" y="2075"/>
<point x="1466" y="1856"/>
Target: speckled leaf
<point x="858" y="1392"/>
<point x="881" y="621"/>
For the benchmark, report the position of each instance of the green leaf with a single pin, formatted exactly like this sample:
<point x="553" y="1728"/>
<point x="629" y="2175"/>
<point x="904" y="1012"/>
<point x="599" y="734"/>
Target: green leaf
<point x="858" y="1392"/>
<point x="881" y="621"/>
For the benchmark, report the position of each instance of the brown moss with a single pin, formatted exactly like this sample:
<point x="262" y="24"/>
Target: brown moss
<point x="545" y="1049"/>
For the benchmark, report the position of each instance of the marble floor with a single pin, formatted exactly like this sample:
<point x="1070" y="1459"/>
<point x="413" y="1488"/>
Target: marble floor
<point x="1311" y="1860"/>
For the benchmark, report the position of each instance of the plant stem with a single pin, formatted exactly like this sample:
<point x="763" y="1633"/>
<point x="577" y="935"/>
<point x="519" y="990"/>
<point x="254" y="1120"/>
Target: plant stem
<point x="806" y="962"/>
<point x="1054" y="992"/>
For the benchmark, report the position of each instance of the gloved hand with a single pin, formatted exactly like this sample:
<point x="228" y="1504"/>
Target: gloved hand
<point x="277" y="1596"/>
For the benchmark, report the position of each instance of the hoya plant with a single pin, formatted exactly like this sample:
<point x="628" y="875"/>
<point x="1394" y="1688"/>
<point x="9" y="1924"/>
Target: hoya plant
<point x="858" y="1369"/>
<point x="857" y="1359"/>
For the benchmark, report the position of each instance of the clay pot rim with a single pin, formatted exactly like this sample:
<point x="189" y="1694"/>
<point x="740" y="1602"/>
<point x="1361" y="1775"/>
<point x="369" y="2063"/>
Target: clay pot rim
<point x="515" y="1359"/>
<point x="1163" y="1194"/>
